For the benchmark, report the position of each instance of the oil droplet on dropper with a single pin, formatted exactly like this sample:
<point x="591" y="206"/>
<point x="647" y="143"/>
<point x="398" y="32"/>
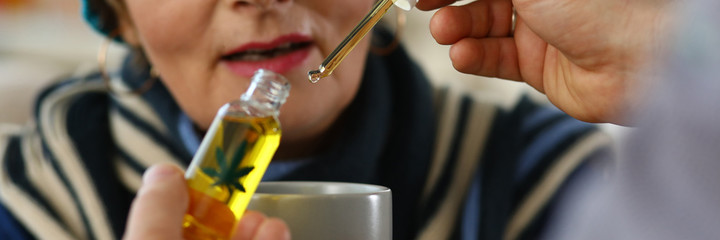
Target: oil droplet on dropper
<point x="343" y="49"/>
<point x="315" y="75"/>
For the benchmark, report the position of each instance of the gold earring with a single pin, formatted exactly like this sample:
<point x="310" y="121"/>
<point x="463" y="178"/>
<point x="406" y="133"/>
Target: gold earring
<point x="513" y="21"/>
<point x="102" y="61"/>
<point x="401" y="19"/>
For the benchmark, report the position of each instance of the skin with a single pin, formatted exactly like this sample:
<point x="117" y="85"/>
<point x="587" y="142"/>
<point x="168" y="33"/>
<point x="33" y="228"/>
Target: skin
<point x="164" y="194"/>
<point x="584" y="55"/>
<point x="184" y="41"/>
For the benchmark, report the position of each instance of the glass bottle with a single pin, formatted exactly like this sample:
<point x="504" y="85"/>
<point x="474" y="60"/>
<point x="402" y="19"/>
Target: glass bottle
<point x="233" y="157"/>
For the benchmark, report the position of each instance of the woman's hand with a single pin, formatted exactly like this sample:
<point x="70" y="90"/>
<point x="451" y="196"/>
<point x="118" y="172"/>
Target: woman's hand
<point x="159" y="207"/>
<point x="584" y="55"/>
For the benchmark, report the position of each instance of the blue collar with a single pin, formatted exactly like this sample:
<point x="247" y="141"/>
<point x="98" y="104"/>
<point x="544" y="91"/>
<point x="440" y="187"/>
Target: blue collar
<point x="276" y="171"/>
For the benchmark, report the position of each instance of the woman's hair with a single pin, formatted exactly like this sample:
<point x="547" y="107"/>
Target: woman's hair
<point x="104" y="15"/>
<point x="118" y="9"/>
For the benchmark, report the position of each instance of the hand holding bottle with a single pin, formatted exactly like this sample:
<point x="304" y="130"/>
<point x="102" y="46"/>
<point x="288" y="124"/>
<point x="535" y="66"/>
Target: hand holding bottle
<point x="584" y="55"/>
<point x="160" y="205"/>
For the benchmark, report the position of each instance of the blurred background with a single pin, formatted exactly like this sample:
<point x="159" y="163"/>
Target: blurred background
<point x="45" y="40"/>
<point x="40" y="41"/>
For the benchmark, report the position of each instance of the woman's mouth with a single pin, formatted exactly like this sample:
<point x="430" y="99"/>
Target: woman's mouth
<point x="279" y="55"/>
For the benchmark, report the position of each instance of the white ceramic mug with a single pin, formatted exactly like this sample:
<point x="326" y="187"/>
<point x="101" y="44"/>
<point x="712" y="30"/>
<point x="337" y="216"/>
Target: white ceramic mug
<point x="328" y="210"/>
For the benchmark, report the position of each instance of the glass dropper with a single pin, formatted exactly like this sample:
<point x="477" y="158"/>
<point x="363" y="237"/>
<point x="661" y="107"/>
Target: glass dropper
<point x="380" y="8"/>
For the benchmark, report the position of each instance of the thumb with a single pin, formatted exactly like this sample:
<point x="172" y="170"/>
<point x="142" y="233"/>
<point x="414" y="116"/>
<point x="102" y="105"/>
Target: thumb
<point x="159" y="207"/>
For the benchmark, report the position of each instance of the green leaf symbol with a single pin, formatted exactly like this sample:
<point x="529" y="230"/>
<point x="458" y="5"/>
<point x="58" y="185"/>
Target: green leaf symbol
<point x="228" y="175"/>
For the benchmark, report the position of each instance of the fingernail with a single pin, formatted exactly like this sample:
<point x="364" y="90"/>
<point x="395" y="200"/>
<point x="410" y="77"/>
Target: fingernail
<point x="159" y="173"/>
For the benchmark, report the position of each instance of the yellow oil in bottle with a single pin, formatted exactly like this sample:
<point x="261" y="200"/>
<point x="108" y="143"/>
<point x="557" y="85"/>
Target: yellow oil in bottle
<point x="233" y="164"/>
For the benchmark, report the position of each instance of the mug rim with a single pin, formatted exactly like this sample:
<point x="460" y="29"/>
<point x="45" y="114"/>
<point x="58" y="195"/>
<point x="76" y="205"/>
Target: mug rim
<point x="376" y="189"/>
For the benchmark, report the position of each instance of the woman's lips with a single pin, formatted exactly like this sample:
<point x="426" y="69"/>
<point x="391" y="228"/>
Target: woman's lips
<point x="281" y="63"/>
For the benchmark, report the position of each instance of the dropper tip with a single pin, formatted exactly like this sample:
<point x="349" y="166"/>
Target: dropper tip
<point x="314" y="76"/>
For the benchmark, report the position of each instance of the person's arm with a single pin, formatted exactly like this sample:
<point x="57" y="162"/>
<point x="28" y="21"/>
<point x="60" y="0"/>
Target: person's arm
<point x="159" y="207"/>
<point x="584" y="55"/>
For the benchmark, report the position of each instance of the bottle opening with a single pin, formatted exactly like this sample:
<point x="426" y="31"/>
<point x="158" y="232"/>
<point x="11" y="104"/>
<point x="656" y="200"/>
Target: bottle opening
<point x="267" y="89"/>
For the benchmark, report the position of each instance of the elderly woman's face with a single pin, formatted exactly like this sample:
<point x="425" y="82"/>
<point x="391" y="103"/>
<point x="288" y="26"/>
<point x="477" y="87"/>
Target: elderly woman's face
<point x="206" y="50"/>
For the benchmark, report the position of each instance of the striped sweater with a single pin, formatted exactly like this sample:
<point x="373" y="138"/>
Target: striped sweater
<point x="461" y="164"/>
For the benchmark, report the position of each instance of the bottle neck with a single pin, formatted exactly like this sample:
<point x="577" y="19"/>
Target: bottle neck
<point x="265" y="95"/>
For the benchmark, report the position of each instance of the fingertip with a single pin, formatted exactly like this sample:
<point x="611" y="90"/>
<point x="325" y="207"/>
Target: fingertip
<point x="273" y="228"/>
<point x="164" y="181"/>
<point x="160" y="204"/>
<point x="253" y="216"/>
<point x="450" y="24"/>
<point x="161" y="172"/>
<point x="248" y="225"/>
<point x="490" y="57"/>
<point x="467" y="57"/>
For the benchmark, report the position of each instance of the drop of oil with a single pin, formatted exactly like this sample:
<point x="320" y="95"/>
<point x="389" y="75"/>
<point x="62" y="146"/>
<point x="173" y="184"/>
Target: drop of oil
<point x="314" y="76"/>
<point x="314" y="79"/>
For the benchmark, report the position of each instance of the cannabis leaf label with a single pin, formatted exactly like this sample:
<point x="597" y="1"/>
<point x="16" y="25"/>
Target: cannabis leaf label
<point x="228" y="175"/>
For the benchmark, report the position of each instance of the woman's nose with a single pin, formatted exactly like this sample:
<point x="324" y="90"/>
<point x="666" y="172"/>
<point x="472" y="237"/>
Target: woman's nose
<point x="261" y="4"/>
